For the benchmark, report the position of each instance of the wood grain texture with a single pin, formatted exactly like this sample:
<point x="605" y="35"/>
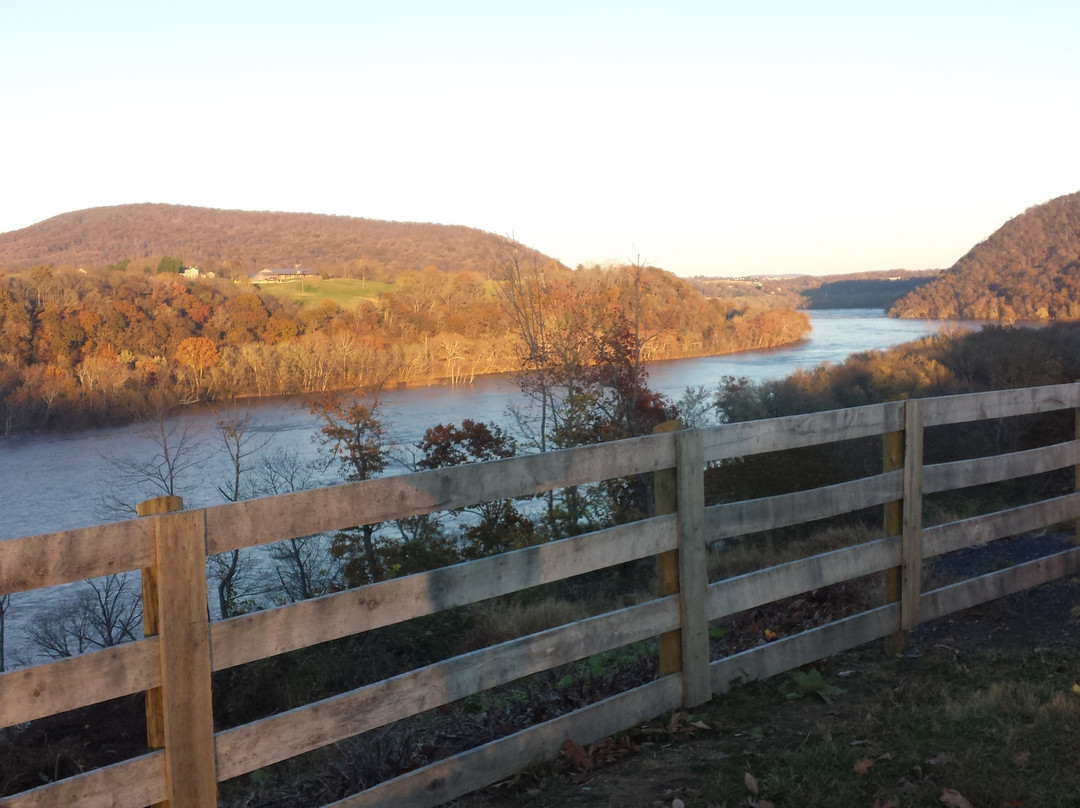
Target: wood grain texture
<point x="183" y="617"/>
<point x="995" y="468"/>
<point x="299" y="625"/>
<point x="989" y="527"/>
<point x="770" y="513"/>
<point x="911" y="546"/>
<point x="67" y="684"/>
<point x="666" y="501"/>
<point x="51" y="559"/>
<point x="693" y="572"/>
<point x="132" y="784"/>
<point x="999" y="404"/>
<point x="261" y="521"/>
<point x="753" y="589"/>
<point x="794" y="431"/>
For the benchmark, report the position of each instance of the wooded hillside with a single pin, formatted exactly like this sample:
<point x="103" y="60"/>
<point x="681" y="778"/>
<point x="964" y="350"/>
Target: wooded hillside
<point x="234" y="243"/>
<point x="1028" y="270"/>
<point x="81" y="347"/>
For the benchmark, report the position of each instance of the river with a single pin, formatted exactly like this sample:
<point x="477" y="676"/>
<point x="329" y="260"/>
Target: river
<point x="58" y="481"/>
<point x="51" y="482"/>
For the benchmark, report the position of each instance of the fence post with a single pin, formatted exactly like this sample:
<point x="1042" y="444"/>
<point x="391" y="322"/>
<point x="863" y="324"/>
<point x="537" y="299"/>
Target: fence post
<point x="693" y="573"/>
<point x="892" y="452"/>
<point x="665" y="499"/>
<point x="904" y="450"/>
<point x="1076" y="433"/>
<point x="179" y="714"/>
<point x="911" y="550"/>
<point x="682" y="572"/>
<point x="155" y="730"/>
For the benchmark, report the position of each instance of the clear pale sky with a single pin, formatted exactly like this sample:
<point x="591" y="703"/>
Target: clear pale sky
<point x="713" y="138"/>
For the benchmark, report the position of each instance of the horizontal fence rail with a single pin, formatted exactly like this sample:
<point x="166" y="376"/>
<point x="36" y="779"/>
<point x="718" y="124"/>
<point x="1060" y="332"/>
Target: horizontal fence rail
<point x="174" y="663"/>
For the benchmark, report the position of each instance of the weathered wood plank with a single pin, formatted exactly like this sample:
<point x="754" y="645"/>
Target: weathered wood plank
<point x="768" y="513"/>
<point x="999" y="584"/>
<point x="794" y="431"/>
<point x="1076" y="471"/>
<point x="693" y="572"/>
<point x="67" y="684"/>
<point x="911" y="552"/>
<point x="260" y="521"/>
<point x="998" y="525"/>
<point x="999" y="404"/>
<point x="278" y="737"/>
<point x="51" y="559"/>
<point x="184" y="639"/>
<point x="666" y="500"/>
<point x="753" y="589"/>
<point x="276" y="631"/>
<point x="448" y="779"/>
<point x="151" y="597"/>
<point x="132" y="784"/>
<point x="892" y="459"/>
<point x="791" y="652"/>
<point x="983" y="470"/>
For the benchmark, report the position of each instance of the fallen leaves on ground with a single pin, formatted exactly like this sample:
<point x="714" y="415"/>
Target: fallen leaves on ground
<point x="862" y="765"/>
<point x="751" y="783"/>
<point x="584" y="759"/>
<point x="575" y="756"/>
<point x="954" y="799"/>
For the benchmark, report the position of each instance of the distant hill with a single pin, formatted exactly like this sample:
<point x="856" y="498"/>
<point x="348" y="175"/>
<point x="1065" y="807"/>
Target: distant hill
<point x="240" y="242"/>
<point x="864" y="293"/>
<point x="1028" y="270"/>
<point x="876" y="289"/>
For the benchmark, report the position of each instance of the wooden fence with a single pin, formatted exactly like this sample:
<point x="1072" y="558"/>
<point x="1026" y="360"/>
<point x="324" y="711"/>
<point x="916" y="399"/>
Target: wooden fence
<point x="174" y="663"/>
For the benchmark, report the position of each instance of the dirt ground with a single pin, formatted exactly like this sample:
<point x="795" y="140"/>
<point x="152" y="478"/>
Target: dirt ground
<point x="667" y="769"/>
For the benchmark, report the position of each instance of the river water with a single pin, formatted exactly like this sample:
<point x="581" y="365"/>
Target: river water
<point x="53" y="482"/>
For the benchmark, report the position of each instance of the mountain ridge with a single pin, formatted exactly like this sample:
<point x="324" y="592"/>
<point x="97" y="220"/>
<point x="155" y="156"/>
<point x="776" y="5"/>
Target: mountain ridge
<point x="238" y="241"/>
<point x="1028" y="269"/>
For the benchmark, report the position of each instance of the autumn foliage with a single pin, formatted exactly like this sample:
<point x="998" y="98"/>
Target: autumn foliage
<point x="83" y="347"/>
<point x="1028" y="270"/>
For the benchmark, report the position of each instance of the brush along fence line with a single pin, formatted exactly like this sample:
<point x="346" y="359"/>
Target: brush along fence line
<point x="173" y="664"/>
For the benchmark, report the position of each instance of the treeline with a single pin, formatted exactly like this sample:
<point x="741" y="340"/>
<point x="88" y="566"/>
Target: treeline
<point x="235" y="243"/>
<point x="80" y="348"/>
<point x="865" y="293"/>
<point x="1028" y="270"/>
<point x="877" y="289"/>
<point x="993" y="358"/>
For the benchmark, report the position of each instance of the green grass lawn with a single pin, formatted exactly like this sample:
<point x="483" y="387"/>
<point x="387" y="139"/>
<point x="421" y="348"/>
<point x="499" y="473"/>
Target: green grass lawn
<point x="346" y="292"/>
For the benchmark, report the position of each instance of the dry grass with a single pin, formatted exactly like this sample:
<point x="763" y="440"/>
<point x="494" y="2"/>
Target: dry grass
<point x="754" y="552"/>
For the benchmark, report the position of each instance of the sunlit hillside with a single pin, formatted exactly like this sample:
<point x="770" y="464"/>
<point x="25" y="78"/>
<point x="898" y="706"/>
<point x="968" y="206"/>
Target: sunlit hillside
<point x="1029" y="269"/>
<point x="233" y="242"/>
